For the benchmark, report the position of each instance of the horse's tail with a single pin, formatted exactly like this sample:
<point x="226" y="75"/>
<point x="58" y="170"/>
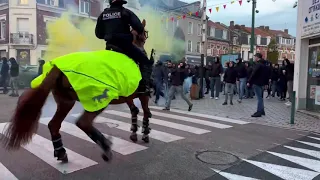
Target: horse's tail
<point x="24" y="122"/>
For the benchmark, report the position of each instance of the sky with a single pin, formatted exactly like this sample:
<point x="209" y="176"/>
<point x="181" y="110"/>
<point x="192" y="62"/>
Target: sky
<point x="278" y="15"/>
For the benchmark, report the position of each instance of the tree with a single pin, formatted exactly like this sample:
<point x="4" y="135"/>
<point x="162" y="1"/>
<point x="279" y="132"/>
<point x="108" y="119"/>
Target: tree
<point x="178" y="50"/>
<point x="273" y="54"/>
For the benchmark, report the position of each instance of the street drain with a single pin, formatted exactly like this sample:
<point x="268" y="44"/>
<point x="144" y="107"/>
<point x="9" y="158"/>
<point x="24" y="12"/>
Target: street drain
<point x="217" y="157"/>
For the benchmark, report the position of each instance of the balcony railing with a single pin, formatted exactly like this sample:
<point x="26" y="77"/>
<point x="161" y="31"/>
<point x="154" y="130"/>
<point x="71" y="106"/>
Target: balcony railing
<point x="21" y="38"/>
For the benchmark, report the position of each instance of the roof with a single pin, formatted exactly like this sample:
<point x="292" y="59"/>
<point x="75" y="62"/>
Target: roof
<point x="216" y="25"/>
<point x="257" y="31"/>
<point x="279" y="33"/>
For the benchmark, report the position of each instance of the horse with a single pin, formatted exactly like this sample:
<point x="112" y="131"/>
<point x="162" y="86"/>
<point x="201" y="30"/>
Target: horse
<point x="115" y="83"/>
<point x="144" y="98"/>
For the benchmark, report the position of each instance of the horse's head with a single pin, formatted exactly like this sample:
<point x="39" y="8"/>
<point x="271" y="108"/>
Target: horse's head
<point x="140" y="40"/>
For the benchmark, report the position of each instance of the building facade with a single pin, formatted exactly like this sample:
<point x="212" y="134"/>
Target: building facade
<point x="218" y="39"/>
<point x="23" y="25"/>
<point x="306" y="75"/>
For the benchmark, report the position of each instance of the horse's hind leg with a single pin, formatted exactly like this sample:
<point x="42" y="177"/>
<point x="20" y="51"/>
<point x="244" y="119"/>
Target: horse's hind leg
<point x="85" y="122"/>
<point x="146" y="115"/>
<point x="63" y="108"/>
<point x="134" y="120"/>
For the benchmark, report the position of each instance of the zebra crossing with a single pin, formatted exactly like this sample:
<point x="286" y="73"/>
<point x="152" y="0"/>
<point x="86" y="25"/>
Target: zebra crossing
<point x="192" y="124"/>
<point x="297" y="160"/>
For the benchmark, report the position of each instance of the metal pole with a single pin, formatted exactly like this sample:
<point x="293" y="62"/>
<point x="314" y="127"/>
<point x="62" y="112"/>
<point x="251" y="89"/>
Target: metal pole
<point x="293" y="107"/>
<point x="204" y="46"/>
<point x="254" y="2"/>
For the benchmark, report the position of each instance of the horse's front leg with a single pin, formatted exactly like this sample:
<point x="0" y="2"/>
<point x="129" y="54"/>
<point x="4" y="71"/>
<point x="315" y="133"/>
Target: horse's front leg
<point x="146" y="115"/>
<point x="134" y="120"/>
<point x="85" y="123"/>
<point x="63" y="108"/>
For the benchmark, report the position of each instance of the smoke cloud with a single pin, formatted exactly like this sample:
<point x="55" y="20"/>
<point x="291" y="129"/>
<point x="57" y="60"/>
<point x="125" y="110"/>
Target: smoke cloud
<point x="69" y="34"/>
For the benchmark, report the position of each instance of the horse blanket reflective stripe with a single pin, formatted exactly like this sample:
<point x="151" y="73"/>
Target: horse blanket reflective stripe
<point x="97" y="77"/>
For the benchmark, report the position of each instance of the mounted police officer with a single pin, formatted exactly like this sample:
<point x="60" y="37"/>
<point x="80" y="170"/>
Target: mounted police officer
<point x="113" y="25"/>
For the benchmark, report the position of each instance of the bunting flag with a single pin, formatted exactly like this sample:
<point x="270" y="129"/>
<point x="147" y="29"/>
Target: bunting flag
<point x="184" y="16"/>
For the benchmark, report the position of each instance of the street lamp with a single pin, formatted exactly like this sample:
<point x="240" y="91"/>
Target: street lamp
<point x="252" y="40"/>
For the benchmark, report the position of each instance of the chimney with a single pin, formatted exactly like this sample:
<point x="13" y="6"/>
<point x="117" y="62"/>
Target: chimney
<point x="286" y="31"/>
<point x="236" y="26"/>
<point x="218" y="22"/>
<point x="261" y="27"/>
<point x="231" y="23"/>
<point x="266" y="28"/>
<point x="243" y="26"/>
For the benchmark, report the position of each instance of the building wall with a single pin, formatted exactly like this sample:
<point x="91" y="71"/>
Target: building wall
<point x="215" y="47"/>
<point x="28" y="11"/>
<point x="4" y="16"/>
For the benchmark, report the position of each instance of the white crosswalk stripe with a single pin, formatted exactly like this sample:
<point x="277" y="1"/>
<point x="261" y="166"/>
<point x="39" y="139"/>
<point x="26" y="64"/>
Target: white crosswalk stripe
<point x="181" y="127"/>
<point x="312" y="166"/>
<point x="42" y="147"/>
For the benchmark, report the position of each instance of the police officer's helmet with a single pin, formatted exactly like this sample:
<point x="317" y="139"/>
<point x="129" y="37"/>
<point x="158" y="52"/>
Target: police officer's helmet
<point x="117" y="1"/>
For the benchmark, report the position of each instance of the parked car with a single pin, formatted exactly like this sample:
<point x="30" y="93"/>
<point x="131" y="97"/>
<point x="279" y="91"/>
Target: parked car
<point x="26" y="74"/>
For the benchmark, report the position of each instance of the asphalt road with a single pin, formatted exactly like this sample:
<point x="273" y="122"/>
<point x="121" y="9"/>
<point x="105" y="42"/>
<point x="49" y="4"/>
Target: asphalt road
<point x="183" y="146"/>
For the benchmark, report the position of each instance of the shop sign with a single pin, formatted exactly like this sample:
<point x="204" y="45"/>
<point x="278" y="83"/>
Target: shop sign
<point x="311" y="17"/>
<point x="312" y="91"/>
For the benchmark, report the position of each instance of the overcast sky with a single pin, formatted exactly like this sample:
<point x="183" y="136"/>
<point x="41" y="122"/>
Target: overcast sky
<point x="278" y="15"/>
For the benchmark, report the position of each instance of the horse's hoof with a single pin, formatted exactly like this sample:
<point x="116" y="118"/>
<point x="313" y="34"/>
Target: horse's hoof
<point x="63" y="158"/>
<point x="107" y="156"/>
<point x="145" y="138"/>
<point x="134" y="137"/>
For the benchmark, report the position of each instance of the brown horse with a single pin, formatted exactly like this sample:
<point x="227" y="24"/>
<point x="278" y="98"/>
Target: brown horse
<point x="24" y="121"/>
<point x="144" y="98"/>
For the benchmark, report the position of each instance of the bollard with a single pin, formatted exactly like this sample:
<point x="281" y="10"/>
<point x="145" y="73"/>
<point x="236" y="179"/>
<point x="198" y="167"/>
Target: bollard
<point x="293" y="107"/>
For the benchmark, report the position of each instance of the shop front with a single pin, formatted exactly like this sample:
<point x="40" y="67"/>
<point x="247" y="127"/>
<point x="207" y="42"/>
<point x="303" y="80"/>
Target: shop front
<point x="307" y="64"/>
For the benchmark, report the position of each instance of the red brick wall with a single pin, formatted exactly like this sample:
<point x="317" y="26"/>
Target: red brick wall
<point x="7" y="36"/>
<point x="41" y="25"/>
<point x="212" y="45"/>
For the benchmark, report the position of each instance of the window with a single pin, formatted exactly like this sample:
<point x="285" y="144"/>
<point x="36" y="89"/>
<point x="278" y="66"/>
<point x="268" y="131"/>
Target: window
<point x="190" y="28"/>
<point x="84" y="7"/>
<point x="224" y="34"/>
<point x="218" y="33"/>
<point x="189" y="46"/>
<point x="264" y="41"/>
<point x="198" y="47"/>
<point x="23" y="2"/>
<point x="199" y="29"/>
<point x="2" y="29"/>
<point x="50" y="2"/>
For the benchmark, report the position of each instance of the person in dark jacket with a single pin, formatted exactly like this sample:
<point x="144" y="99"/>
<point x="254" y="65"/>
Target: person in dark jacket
<point x="159" y="76"/>
<point x="289" y="71"/>
<point x="282" y="84"/>
<point x="242" y="76"/>
<point x="258" y="80"/>
<point x="4" y="74"/>
<point x="215" y="78"/>
<point x="41" y="63"/>
<point x="249" y="90"/>
<point x="230" y="78"/>
<point x="113" y="25"/>
<point x="14" y="73"/>
<point x="177" y="76"/>
<point x="275" y="75"/>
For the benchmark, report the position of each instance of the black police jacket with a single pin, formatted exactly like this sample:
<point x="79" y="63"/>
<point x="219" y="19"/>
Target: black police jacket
<point x="114" y="23"/>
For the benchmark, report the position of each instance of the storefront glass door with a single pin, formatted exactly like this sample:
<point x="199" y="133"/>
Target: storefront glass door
<point x="313" y="82"/>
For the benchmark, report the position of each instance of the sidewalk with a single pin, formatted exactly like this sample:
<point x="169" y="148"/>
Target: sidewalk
<point x="277" y="113"/>
<point x="7" y="105"/>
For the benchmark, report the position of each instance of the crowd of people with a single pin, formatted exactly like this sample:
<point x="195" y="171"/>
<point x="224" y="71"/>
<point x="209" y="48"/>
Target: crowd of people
<point x="244" y="79"/>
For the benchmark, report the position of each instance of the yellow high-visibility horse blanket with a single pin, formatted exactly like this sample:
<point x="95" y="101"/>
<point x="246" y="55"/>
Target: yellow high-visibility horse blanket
<point x="97" y="77"/>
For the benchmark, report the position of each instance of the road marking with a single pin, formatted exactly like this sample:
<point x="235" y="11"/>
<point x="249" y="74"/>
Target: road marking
<point x="230" y="176"/>
<point x="314" y="138"/>
<point x="158" y="135"/>
<point x="284" y="172"/>
<point x="180" y="127"/>
<point x="309" y="152"/>
<point x="308" y="163"/>
<point x="42" y="148"/>
<point x="6" y="174"/>
<point x="119" y="145"/>
<point x="204" y="116"/>
<point x="309" y="143"/>
<point x="192" y="120"/>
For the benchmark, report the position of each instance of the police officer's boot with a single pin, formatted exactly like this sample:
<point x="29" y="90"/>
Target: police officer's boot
<point x="144" y="87"/>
